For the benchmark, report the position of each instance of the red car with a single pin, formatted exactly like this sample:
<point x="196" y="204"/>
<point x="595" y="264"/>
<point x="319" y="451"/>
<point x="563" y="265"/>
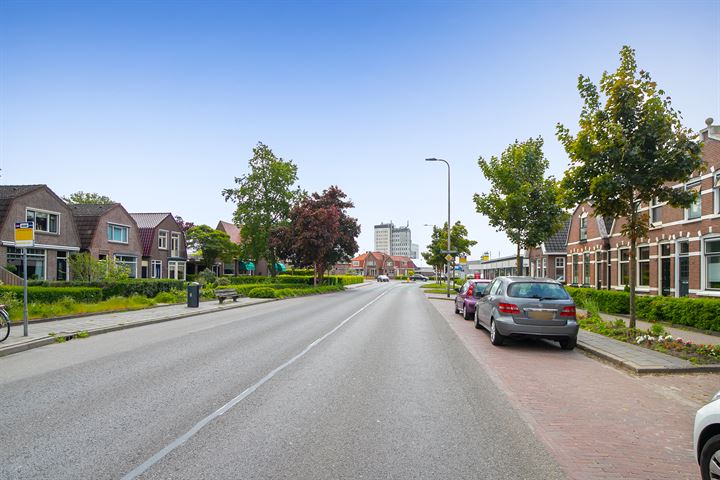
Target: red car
<point x="465" y="301"/>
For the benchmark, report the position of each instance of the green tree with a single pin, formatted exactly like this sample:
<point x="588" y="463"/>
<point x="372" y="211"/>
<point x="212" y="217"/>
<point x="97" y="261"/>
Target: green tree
<point x="320" y="233"/>
<point x="522" y="202"/>
<point x="264" y="198"/>
<point x="82" y="197"/>
<point x="212" y="244"/>
<point x="88" y="269"/>
<point x="435" y="254"/>
<point x="628" y="151"/>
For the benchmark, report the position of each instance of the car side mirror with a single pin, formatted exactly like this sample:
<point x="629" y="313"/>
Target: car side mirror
<point x="457" y="290"/>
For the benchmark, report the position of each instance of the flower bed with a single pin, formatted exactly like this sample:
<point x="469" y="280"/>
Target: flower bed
<point x="655" y="339"/>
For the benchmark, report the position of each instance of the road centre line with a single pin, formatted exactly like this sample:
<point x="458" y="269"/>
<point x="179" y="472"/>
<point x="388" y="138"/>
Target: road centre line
<point x="139" y="470"/>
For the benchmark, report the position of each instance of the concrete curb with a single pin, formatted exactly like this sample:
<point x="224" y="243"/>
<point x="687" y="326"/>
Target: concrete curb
<point x="640" y="370"/>
<point x="40" y="342"/>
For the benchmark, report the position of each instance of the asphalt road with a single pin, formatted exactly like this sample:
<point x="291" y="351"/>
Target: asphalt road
<point x="368" y="383"/>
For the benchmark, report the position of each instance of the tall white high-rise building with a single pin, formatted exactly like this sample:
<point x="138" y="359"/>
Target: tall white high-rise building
<point x="394" y="240"/>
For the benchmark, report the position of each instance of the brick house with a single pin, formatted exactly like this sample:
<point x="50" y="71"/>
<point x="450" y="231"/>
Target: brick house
<point x="56" y="236"/>
<point x="681" y="254"/>
<point x="164" y="250"/>
<point x="548" y="260"/>
<point x="108" y="231"/>
<point x="372" y="264"/>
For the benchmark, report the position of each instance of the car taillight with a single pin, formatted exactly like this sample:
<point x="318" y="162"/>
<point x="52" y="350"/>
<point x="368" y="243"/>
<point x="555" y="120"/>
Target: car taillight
<point x="568" y="312"/>
<point x="509" y="308"/>
<point x="470" y="289"/>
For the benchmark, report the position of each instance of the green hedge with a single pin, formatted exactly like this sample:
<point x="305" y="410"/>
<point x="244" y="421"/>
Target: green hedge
<point x="262" y="292"/>
<point x="55" y="294"/>
<point x="702" y="313"/>
<point x="245" y="279"/>
<point x="139" y="286"/>
<point x="298" y="292"/>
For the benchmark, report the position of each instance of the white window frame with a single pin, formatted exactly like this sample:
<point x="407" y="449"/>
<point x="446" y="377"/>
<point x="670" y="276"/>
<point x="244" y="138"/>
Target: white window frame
<point x="163" y="239"/>
<point x="620" y="265"/>
<point x="49" y="213"/>
<point x="125" y="262"/>
<point x="583" y="228"/>
<point x="645" y="261"/>
<point x="716" y="190"/>
<point x="560" y="265"/>
<point x="655" y="206"/>
<point x="706" y="263"/>
<point x="126" y="228"/>
<point x="175" y="244"/>
<point x="174" y="268"/>
<point x="696" y="185"/>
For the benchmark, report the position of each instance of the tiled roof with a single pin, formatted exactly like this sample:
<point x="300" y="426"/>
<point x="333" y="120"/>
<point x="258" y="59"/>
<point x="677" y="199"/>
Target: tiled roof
<point x="87" y="217"/>
<point x="9" y="192"/>
<point x="558" y="242"/>
<point x="149" y="220"/>
<point x="146" y="238"/>
<point x="231" y="229"/>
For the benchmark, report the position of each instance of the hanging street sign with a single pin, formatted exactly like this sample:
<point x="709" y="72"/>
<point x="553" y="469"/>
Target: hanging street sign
<point x="449" y="257"/>
<point x="463" y="258"/>
<point x="24" y="234"/>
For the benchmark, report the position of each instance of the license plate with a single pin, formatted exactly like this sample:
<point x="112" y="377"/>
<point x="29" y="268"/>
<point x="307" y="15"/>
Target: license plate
<point x="540" y="313"/>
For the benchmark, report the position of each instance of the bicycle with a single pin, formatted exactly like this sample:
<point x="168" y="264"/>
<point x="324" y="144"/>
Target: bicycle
<point x="4" y="323"/>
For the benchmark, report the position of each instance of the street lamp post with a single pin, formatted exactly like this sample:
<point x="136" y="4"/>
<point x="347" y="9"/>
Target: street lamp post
<point x="448" y="219"/>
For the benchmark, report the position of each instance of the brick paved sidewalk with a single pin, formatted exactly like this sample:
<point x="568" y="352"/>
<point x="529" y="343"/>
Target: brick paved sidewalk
<point x="598" y="422"/>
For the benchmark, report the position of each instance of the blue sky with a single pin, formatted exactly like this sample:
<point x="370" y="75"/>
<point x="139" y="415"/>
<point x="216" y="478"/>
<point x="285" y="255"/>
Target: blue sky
<point x="159" y="104"/>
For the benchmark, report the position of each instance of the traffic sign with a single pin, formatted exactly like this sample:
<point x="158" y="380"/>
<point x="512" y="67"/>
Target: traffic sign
<point x="24" y="234"/>
<point x="463" y="258"/>
<point x="449" y="257"/>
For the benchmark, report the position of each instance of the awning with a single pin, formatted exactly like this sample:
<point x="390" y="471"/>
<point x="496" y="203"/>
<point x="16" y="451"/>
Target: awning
<point x="279" y="267"/>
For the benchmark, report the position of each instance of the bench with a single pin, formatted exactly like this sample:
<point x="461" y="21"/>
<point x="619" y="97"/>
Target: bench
<point x="223" y="293"/>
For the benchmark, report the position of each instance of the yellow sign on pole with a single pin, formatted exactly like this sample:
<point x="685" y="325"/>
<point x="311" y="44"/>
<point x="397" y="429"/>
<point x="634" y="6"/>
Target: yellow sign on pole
<point x="24" y="234"/>
<point x="463" y="259"/>
<point x="449" y="257"/>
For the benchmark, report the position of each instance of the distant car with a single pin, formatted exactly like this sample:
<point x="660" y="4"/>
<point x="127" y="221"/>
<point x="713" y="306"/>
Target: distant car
<point x="527" y="307"/>
<point x="464" y="300"/>
<point x="706" y="439"/>
<point x="383" y="278"/>
<point x="419" y="276"/>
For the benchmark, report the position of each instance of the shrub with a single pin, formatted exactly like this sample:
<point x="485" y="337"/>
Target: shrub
<point x="262" y="292"/>
<point x="245" y="279"/>
<point x="55" y="294"/>
<point x="205" y="277"/>
<point x="701" y="313"/>
<point x="167" y="297"/>
<point x="222" y="281"/>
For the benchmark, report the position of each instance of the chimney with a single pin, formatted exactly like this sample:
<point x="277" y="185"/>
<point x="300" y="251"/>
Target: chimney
<point x="710" y="131"/>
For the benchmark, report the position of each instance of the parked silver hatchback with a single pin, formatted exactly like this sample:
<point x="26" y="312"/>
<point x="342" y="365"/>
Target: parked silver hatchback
<point x="527" y="307"/>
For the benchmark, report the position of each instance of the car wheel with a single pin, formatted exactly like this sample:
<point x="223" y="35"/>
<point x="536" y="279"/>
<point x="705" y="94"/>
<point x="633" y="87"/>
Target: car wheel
<point x="710" y="459"/>
<point x="496" y="338"/>
<point x="466" y="315"/>
<point x="457" y="310"/>
<point x="568" y="343"/>
<point x="477" y="320"/>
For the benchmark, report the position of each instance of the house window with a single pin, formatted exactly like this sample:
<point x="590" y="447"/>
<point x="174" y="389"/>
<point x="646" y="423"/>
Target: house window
<point x="624" y="259"/>
<point x="712" y="263"/>
<point x="129" y="262"/>
<point x="560" y="269"/>
<point x="356" y="263"/>
<point x="156" y="269"/>
<point x="44" y="221"/>
<point x="544" y="267"/>
<point x="644" y="266"/>
<point x="163" y="239"/>
<point x="695" y="210"/>
<point x="175" y="245"/>
<point x="586" y="269"/>
<point x="583" y="229"/>
<point x="35" y="262"/>
<point x="575" y="269"/>
<point x="655" y="212"/>
<point x="176" y="270"/>
<point x="717" y="192"/>
<point x="117" y="233"/>
<point x="61" y="263"/>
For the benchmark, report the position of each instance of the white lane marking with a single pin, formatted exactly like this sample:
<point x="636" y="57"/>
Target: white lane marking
<point x="198" y="426"/>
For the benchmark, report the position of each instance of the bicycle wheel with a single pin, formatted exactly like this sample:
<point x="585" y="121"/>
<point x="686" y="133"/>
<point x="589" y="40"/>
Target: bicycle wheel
<point x="4" y="325"/>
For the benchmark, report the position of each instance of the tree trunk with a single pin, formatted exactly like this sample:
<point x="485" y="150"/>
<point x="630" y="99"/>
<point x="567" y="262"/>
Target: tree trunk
<point x="518" y="262"/>
<point x="315" y="274"/>
<point x="633" y="275"/>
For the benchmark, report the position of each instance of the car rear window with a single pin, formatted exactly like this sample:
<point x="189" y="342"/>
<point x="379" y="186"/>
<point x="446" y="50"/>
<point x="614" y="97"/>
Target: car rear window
<point x="545" y="291"/>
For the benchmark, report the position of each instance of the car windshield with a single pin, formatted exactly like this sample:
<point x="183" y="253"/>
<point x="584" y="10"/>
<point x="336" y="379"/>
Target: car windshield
<point x="542" y="291"/>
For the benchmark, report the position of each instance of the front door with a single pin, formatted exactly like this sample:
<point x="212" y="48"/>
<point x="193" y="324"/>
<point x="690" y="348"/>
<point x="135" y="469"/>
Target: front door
<point x="684" y="276"/>
<point x="665" y="277"/>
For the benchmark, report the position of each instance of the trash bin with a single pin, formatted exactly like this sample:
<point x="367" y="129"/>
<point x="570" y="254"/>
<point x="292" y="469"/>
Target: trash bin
<point x="193" y="294"/>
